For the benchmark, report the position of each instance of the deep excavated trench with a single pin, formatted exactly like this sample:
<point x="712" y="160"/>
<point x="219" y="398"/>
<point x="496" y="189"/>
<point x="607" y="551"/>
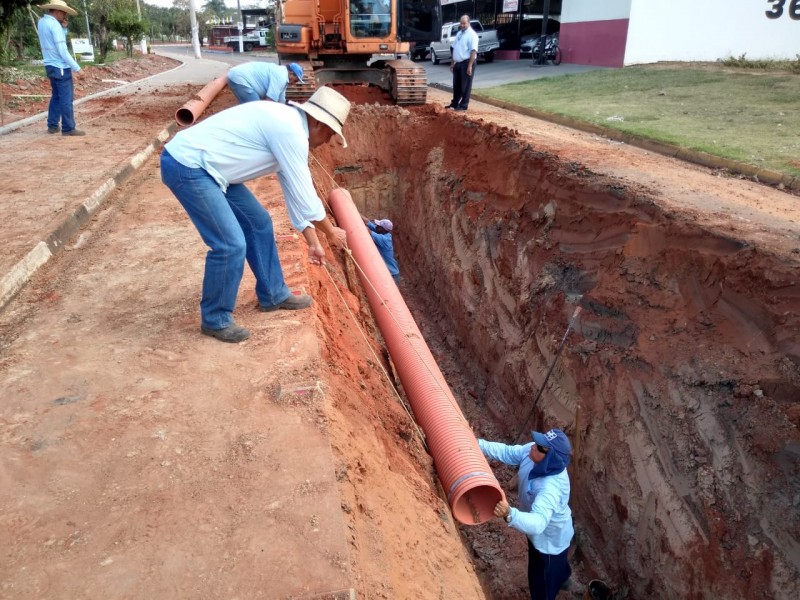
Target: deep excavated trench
<point x="678" y="387"/>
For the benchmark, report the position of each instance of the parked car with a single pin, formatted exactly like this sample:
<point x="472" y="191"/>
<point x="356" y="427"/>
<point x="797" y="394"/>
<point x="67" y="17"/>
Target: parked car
<point x="419" y="50"/>
<point x="487" y="42"/>
<point x="528" y="44"/>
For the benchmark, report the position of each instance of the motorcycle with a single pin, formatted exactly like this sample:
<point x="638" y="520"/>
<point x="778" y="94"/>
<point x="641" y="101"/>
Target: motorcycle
<point x="552" y="52"/>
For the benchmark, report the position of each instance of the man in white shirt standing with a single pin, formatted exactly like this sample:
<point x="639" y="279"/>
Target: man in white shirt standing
<point x="464" y="52"/>
<point x="206" y="166"/>
<point x="59" y="66"/>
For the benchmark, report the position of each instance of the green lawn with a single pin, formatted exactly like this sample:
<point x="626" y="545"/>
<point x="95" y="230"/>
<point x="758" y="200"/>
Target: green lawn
<point x="748" y="115"/>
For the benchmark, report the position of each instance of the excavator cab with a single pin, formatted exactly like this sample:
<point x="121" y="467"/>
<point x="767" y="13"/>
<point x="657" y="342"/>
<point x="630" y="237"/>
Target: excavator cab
<point x="351" y="42"/>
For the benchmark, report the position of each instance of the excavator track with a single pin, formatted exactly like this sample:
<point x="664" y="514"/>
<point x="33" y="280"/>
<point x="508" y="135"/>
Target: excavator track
<point x="409" y="82"/>
<point x="302" y="92"/>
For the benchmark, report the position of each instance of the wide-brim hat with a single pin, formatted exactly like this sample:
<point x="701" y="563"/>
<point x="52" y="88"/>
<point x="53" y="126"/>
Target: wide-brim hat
<point x="327" y="106"/>
<point x="59" y="5"/>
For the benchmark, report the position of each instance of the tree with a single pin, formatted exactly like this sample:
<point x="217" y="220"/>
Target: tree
<point x="128" y="25"/>
<point x="215" y="8"/>
<point x="14" y="28"/>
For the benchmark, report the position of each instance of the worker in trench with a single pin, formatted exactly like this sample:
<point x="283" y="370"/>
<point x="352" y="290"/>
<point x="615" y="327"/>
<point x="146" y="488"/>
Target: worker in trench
<point x="381" y="232"/>
<point x="206" y="167"/>
<point x="252" y="81"/>
<point x="543" y="515"/>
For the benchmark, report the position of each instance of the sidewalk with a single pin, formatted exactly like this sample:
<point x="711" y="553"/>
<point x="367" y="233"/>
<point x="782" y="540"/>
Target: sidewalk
<point x="134" y="452"/>
<point x="69" y="187"/>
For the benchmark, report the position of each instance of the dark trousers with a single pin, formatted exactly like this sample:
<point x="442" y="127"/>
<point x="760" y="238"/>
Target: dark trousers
<point x="462" y="83"/>
<point x="546" y="573"/>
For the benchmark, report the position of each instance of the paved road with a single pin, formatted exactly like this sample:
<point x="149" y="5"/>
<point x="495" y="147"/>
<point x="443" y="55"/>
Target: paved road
<point x="487" y="75"/>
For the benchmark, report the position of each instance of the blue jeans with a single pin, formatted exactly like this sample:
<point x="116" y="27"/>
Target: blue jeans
<point x="60" y="108"/>
<point x="243" y="92"/>
<point x="235" y="226"/>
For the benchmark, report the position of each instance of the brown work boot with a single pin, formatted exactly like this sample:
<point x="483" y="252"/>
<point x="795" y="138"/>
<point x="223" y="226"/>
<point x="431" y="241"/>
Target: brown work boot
<point x="73" y="132"/>
<point x="291" y="303"/>
<point x="53" y="129"/>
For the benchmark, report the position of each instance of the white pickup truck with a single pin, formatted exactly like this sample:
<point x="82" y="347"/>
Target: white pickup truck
<point x="251" y="39"/>
<point x="487" y="42"/>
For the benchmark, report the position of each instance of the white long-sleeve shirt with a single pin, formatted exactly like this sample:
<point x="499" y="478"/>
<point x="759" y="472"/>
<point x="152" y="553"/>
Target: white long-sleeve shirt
<point x="544" y="514"/>
<point x="251" y="140"/>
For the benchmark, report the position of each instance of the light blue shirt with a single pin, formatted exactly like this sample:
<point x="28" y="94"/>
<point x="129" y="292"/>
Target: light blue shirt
<point x="544" y="514"/>
<point x="53" y="41"/>
<point x="466" y="41"/>
<point x="268" y="80"/>
<point x="385" y="245"/>
<point x="251" y="140"/>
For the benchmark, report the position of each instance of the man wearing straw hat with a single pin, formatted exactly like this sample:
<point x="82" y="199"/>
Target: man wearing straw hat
<point x="59" y="66"/>
<point x="206" y="166"/>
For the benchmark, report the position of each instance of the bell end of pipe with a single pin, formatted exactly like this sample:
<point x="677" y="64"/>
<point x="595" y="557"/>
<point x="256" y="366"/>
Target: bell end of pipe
<point x="473" y="506"/>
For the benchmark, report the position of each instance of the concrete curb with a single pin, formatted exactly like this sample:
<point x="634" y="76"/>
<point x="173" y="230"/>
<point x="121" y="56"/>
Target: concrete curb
<point x="45" y="249"/>
<point x="43" y="115"/>
<point x="693" y="156"/>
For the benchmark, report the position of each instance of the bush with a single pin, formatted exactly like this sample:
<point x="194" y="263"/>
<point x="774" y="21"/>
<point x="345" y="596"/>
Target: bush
<point x="742" y="62"/>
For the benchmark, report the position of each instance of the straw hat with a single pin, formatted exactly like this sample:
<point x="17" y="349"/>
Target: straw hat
<point x="329" y="107"/>
<point x="59" y="5"/>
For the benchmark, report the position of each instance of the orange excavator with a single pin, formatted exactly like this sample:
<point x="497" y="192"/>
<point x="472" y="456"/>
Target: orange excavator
<point x="357" y="42"/>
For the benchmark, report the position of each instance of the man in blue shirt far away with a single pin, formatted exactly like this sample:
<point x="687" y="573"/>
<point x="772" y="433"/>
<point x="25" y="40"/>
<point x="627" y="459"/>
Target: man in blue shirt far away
<point x="59" y="66"/>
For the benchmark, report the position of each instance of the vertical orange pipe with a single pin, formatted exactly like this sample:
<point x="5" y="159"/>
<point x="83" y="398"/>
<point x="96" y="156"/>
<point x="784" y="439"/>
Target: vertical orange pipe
<point x="188" y="113"/>
<point x="471" y="488"/>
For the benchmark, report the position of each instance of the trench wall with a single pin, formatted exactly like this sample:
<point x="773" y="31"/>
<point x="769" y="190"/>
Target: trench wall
<point x="679" y="386"/>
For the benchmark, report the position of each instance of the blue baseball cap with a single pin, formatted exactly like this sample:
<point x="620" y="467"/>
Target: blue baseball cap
<point x="555" y="439"/>
<point x="297" y="70"/>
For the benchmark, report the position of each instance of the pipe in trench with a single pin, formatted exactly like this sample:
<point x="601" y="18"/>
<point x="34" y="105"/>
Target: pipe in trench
<point x="188" y="113"/>
<point x="471" y="487"/>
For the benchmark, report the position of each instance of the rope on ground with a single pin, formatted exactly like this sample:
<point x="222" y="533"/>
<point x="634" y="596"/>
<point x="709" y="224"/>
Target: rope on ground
<point x="365" y="278"/>
<point x="377" y="359"/>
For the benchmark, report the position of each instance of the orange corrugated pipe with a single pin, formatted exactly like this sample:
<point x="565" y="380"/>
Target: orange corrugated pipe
<point x="471" y="488"/>
<point x="189" y="112"/>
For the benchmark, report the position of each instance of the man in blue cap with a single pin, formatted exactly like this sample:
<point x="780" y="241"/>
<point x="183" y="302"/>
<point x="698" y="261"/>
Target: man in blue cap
<point x="253" y="81"/>
<point x="543" y="514"/>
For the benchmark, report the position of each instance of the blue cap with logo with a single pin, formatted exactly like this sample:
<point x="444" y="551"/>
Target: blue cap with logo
<point x="297" y="70"/>
<point x="555" y="439"/>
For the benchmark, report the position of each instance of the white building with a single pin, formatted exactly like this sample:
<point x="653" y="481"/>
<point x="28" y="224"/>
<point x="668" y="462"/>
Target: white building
<point x="615" y="33"/>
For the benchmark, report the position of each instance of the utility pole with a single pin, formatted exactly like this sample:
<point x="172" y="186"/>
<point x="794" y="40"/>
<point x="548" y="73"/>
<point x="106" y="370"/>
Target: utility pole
<point x="86" y="14"/>
<point x="144" y="39"/>
<point x="240" y="26"/>
<point x="193" y="21"/>
<point x="541" y="60"/>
